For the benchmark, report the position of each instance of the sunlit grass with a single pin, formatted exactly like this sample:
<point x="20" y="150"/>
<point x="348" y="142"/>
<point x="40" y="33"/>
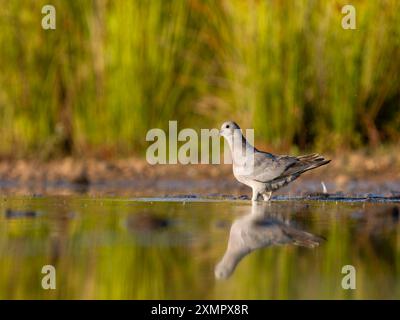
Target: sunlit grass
<point x="112" y="70"/>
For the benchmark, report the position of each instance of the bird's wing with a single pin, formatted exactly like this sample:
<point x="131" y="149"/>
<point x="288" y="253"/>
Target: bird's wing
<point x="271" y="232"/>
<point x="266" y="166"/>
<point x="264" y="234"/>
<point x="248" y="235"/>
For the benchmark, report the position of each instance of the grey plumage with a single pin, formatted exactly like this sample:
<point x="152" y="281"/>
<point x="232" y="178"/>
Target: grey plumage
<point x="263" y="171"/>
<point x="257" y="230"/>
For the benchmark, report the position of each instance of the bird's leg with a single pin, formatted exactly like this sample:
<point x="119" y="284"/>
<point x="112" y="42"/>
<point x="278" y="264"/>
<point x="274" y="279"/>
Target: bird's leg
<point x="256" y="194"/>
<point x="267" y="195"/>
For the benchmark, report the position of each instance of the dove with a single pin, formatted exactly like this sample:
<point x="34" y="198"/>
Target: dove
<point x="262" y="171"/>
<point x="260" y="229"/>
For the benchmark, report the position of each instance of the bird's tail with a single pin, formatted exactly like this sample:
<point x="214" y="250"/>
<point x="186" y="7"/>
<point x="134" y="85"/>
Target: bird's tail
<point x="302" y="238"/>
<point x="312" y="161"/>
<point x="305" y="163"/>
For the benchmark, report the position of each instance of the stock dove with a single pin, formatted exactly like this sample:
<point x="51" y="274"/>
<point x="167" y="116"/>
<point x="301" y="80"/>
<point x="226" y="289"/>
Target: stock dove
<point x="263" y="171"/>
<point x="260" y="229"/>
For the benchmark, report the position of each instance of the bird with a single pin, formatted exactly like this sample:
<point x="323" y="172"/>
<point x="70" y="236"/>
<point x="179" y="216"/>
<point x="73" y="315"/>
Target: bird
<point x="259" y="229"/>
<point x="264" y="172"/>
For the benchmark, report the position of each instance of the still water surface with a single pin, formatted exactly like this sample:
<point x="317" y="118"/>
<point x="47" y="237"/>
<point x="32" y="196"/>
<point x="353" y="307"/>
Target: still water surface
<point x="193" y="249"/>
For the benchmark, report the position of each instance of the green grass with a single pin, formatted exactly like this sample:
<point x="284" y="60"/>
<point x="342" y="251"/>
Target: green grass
<point x="113" y="70"/>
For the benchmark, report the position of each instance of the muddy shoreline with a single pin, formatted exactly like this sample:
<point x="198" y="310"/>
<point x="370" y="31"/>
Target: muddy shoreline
<point x="358" y="174"/>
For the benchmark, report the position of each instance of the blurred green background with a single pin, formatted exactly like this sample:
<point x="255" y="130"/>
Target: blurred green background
<point x="112" y="70"/>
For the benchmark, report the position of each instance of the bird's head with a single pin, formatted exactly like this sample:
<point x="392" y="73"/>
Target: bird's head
<point x="223" y="270"/>
<point x="228" y="128"/>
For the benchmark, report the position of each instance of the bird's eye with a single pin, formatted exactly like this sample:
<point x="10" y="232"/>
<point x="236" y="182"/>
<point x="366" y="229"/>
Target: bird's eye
<point x="227" y="125"/>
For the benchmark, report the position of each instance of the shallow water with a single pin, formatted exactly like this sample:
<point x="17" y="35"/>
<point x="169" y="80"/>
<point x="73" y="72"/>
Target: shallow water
<point x="170" y="248"/>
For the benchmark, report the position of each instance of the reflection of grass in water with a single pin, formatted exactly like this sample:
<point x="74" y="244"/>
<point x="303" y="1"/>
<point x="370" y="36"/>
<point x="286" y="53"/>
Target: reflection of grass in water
<point x="292" y="272"/>
<point x="101" y="260"/>
<point x="397" y="246"/>
<point x="96" y="256"/>
<point x="141" y="273"/>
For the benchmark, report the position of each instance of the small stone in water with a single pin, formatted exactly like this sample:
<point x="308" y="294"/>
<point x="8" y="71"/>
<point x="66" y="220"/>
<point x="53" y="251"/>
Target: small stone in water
<point x="146" y="222"/>
<point x="20" y="214"/>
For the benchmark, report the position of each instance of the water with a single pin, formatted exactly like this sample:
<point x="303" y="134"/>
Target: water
<point x="169" y="248"/>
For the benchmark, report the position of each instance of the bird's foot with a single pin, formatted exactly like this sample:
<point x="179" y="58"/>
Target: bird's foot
<point x="256" y="196"/>
<point x="267" y="196"/>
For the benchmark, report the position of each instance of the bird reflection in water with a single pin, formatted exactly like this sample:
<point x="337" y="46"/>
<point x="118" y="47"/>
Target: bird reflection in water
<point x="257" y="230"/>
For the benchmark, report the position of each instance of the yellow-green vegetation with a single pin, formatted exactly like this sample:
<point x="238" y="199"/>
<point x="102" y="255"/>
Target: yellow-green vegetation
<point x="114" y="69"/>
<point x="99" y="254"/>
